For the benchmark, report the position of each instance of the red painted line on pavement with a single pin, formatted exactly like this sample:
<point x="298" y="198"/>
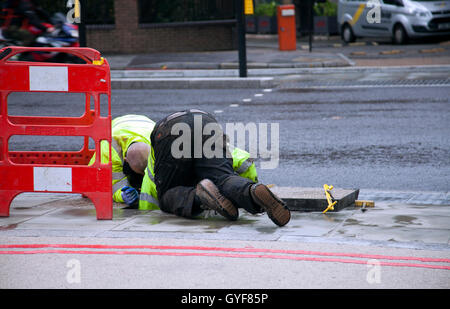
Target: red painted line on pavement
<point x="225" y="249"/>
<point x="210" y="254"/>
<point x="226" y="255"/>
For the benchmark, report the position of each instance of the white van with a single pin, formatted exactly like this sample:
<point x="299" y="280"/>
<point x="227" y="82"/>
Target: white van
<point x="398" y="19"/>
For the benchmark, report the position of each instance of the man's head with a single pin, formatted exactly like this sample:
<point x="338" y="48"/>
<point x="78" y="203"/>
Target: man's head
<point x="137" y="156"/>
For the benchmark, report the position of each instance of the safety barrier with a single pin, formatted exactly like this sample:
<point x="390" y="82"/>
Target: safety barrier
<point x="56" y="171"/>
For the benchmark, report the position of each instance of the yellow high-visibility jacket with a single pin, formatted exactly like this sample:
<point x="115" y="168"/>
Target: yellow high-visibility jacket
<point x="148" y="199"/>
<point x="126" y="130"/>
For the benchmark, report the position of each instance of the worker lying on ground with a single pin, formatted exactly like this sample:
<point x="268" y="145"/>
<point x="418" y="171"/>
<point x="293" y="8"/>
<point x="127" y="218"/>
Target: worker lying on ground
<point x="130" y="150"/>
<point x="189" y="184"/>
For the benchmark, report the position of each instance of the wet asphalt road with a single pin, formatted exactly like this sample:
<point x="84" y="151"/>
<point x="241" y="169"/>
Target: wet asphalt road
<point x="370" y="138"/>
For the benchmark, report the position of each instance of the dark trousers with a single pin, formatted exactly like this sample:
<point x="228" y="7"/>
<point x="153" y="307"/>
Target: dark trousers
<point x="176" y="178"/>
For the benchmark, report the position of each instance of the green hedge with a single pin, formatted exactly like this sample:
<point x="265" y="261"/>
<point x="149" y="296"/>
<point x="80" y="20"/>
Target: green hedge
<point x="325" y="8"/>
<point x="266" y="9"/>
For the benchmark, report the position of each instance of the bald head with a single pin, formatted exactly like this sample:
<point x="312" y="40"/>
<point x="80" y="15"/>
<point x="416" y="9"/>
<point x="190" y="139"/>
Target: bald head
<point x="137" y="156"/>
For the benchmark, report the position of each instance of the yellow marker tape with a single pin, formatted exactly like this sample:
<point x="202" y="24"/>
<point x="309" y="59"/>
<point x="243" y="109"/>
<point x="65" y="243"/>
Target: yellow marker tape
<point x="358" y="14"/>
<point x="331" y="204"/>
<point x="98" y="62"/>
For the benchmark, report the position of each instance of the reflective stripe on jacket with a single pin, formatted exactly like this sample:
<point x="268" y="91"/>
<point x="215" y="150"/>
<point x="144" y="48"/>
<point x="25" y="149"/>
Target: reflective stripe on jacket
<point x="148" y="199"/>
<point x="126" y="130"/>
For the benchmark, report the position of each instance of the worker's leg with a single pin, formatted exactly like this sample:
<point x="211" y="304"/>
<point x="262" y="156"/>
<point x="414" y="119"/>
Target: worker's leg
<point x="219" y="169"/>
<point x="181" y="201"/>
<point x="232" y="186"/>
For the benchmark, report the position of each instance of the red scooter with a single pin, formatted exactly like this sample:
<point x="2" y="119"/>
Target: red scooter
<point x="64" y="35"/>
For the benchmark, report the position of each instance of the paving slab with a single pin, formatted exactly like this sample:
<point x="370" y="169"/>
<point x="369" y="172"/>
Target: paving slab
<point x="256" y="58"/>
<point x="396" y="220"/>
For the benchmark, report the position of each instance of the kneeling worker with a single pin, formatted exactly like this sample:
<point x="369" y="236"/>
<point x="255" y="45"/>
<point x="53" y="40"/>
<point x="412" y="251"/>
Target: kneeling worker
<point x="189" y="183"/>
<point x="130" y="150"/>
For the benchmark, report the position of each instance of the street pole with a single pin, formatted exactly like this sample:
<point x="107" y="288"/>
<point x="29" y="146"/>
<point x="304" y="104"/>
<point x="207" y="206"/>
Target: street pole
<point x="82" y="25"/>
<point x="239" y="5"/>
<point x="310" y="22"/>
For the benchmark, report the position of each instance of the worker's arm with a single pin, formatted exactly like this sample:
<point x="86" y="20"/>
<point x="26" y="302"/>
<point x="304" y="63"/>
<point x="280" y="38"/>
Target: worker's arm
<point x="119" y="178"/>
<point x="244" y="165"/>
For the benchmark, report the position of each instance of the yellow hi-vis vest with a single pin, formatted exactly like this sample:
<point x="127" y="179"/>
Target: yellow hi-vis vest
<point x="148" y="200"/>
<point x="126" y="130"/>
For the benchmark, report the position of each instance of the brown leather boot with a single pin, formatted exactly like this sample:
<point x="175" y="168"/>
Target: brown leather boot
<point x="211" y="198"/>
<point x="276" y="209"/>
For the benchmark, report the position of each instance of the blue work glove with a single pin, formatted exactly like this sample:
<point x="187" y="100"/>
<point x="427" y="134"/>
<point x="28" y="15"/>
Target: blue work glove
<point x="130" y="195"/>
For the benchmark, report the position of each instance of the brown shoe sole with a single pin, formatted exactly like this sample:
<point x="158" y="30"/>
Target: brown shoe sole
<point x="276" y="209"/>
<point x="209" y="196"/>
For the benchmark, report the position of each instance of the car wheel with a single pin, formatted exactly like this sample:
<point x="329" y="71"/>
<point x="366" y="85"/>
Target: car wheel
<point x="399" y="35"/>
<point x="347" y="34"/>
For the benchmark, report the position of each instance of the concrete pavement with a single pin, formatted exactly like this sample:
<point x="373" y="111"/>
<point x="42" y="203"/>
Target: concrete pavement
<point x="403" y="242"/>
<point x="216" y="70"/>
<point x="400" y="218"/>
<point x="262" y="53"/>
<point x="267" y="66"/>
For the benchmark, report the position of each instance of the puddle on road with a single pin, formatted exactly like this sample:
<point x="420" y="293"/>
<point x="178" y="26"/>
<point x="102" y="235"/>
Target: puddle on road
<point x="267" y="229"/>
<point x="211" y="223"/>
<point x="352" y="221"/>
<point x="8" y="227"/>
<point x="78" y="212"/>
<point x="118" y="213"/>
<point x="151" y="220"/>
<point x="405" y="220"/>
